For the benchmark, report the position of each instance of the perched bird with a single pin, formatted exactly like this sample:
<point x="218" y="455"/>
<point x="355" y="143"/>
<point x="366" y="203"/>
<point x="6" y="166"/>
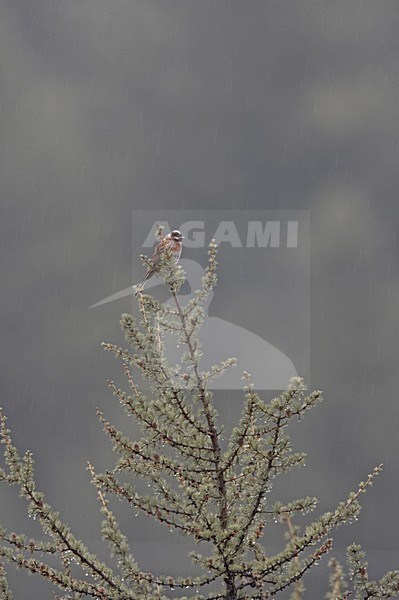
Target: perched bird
<point x="170" y="244"/>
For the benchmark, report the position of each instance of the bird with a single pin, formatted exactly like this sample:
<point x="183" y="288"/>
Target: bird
<point x="172" y="245"/>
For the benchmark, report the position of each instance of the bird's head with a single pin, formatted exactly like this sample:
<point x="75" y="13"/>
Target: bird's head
<point x="176" y="235"/>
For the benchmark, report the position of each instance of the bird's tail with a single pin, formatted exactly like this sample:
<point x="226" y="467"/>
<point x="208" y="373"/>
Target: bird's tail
<point x="139" y="288"/>
<point x="141" y="285"/>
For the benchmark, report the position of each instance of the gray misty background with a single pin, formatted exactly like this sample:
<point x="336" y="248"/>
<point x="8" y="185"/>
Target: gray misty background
<point x="108" y="106"/>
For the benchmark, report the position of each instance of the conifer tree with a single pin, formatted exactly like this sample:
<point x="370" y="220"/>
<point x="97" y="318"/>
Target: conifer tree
<point x="216" y="494"/>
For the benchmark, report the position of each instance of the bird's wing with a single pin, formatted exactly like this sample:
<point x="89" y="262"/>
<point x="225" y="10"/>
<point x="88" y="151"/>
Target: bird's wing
<point x="160" y="248"/>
